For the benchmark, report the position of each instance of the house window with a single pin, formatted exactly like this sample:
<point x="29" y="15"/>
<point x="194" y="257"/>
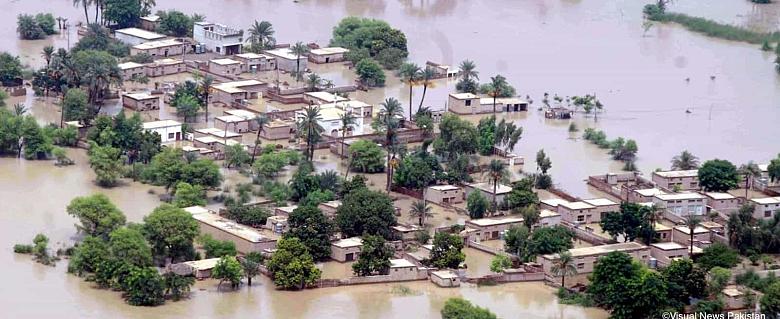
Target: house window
<point x="468" y="102"/>
<point x="580" y="265"/>
<point x="580" y="218"/>
<point x="170" y="135"/>
<point x="768" y="213"/>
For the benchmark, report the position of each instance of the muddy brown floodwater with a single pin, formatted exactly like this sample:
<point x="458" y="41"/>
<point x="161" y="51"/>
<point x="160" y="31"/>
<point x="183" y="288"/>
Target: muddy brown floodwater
<point x="565" y="47"/>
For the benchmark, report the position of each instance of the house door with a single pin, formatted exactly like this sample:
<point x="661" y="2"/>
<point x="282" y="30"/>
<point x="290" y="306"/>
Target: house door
<point x="516" y="107"/>
<point x="327" y="60"/>
<point x="178" y="136"/>
<point x="166" y="52"/>
<point x="494" y="235"/>
<point x="350" y="257"/>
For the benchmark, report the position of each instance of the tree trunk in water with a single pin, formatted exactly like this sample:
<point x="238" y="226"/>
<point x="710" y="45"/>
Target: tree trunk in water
<point x="563" y="281"/>
<point x="494" y="102"/>
<point x="747" y="184"/>
<point x="343" y="133"/>
<point x="249" y="280"/>
<point x="86" y="14"/>
<point x="691" y="230"/>
<point x="410" y="99"/>
<point x="388" y="171"/>
<point x="495" y="187"/>
<point x="425" y="88"/>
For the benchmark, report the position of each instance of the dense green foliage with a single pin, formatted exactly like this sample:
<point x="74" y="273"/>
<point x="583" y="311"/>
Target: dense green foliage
<point x="364" y="211"/>
<point x="171" y="231"/>
<point x="10" y="69"/>
<point x="710" y="27"/>
<point x="370" y="38"/>
<point x="630" y="222"/>
<point x="217" y="248"/>
<point x="543" y="240"/>
<point x="189" y="195"/>
<point x="366" y="157"/>
<point x="97" y="215"/>
<point x="35" y="27"/>
<point x="458" y="137"/>
<point x="313" y="229"/>
<point x="718" y="255"/>
<point x="291" y="266"/>
<point x="370" y="73"/>
<point x="458" y="308"/>
<point x="228" y="269"/>
<point x="170" y="167"/>
<point x="374" y="257"/>
<point x="477" y="205"/>
<point x="684" y="280"/>
<point x="718" y="176"/>
<point x="175" y="23"/>
<point x="447" y="251"/>
<point x="417" y="170"/>
<point x="627" y="289"/>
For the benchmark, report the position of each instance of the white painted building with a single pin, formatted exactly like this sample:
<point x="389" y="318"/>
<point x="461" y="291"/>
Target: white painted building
<point x="169" y="130"/>
<point x="218" y="38"/>
<point x="286" y="60"/>
<point x="135" y="36"/>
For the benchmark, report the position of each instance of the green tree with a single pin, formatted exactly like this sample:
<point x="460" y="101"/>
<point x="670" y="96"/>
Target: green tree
<point x="46" y="22"/>
<point x="129" y="246"/>
<point x="719" y="278"/>
<point x="410" y="74"/>
<point x="106" y="162"/>
<point x="417" y="170"/>
<point x="97" y="71"/>
<point x="499" y="263"/>
<point x="516" y="241"/>
<point x="36" y="144"/>
<point x="28" y="28"/>
<point x="370" y="73"/>
<point x="370" y="38"/>
<point x="313" y="229"/>
<point x="261" y="121"/>
<point x="189" y="195"/>
<point x="718" y="255"/>
<point x="457" y="136"/>
<point x="10" y="68"/>
<point x="310" y="129"/>
<point x="175" y="23"/>
<point x="299" y="49"/>
<point x="177" y="286"/>
<point x="374" y="257"/>
<point x="685" y="161"/>
<point x="564" y="266"/>
<point x="773" y="169"/>
<point x="97" y="215"/>
<point x="427" y="76"/>
<point x="228" y="269"/>
<point x="477" y="205"/>
<point x="684" y="281"/>
<point x="88" y="255"/>
<point x="622" y="286"/>
<point x="770" y="301"/>
<point x="468" y="77"/>
<point x="692" y="222"/>
<point x="145" y="287"/>
<point x="187" y="106"/>
<point x="251" y="268"/>
<point x="366" y="157"/>
<point x="217" y="248"/>
<point x="347" y="120"/>
<point x="75" y="107"/>
<point x="364" y="211"/>
<point x="291" y="266"/>
<point x="171" y="231"/>
<point x="388" y="122"/>
<point x="447" y="251"/>
<point x="458" y="308"/>
<point x="550" y="240"/>
<point x="496" y="88"/>
<point x="236" y="156"/>
<point x="629" y="223"/>
<point x="497" y="174"/>
<point x="125" y="13"/>
<point x="261" y="35"/>
<point x="718" y="176"/>
<point x="421" y="210"/>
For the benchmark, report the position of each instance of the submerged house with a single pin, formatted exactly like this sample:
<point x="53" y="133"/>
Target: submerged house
<point x="135" y="36"/>
<point x="160" y="48"/>
<point x="328" y="55"/>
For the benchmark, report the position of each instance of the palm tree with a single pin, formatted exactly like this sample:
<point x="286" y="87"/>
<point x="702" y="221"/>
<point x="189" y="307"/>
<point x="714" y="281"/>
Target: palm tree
<point x="47" y="53"/>
<point x="262" y="34"/>
<point x="20" y="109"/>
<point x="426" y="77"/>
<point x="147" y="5"/>
<point x="496" y="84"/>
<point x="410" y="74"/>
<point x="85" y="4"/>
<point x="685" y="161"/>
<point x="692" y="221"/>
<point x="99" y="5"/>
<point x="497" y="173"/>
<point x="751" y="171"/>
<point x="564" y="266"/>
<point x="388" y="122"/>
<point x="309" y="128"/>
<point x="468" y="70"/>
<point x="313" y="81"/>
<point x="261" y="121"/>
<point x="346" y="120"/>
<point x="298" y="49"/>
<point x="205" y="92"/>
<point x="421" y="210"/>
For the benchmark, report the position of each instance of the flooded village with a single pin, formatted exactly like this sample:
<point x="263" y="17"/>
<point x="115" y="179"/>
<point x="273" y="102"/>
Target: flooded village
<point x="388" y="159"/>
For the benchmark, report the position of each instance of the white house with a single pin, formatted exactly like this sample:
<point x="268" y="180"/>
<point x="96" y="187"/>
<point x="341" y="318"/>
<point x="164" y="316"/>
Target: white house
<point x="218" y="38"/>
<point x="287" y="60"/>
<point x="135" y="36"/>
<point x="169" y="130"/>
<point x="330" y="119"/>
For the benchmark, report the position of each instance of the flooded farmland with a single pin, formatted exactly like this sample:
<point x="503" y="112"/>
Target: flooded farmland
<point x="565" y="47"/>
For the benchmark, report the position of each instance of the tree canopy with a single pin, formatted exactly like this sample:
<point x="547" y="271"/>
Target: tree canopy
<point x="313" y="229"/>
<point x="718" y="176"/>
<point x="364" y="211"/>
<point x="291" y="266"/>
<point x="374" y="257"/>
<point x="171" y="231"/>
<point x="370" y="38"/>
<point x="447" y="251"/>
<point x="97" y="215"/>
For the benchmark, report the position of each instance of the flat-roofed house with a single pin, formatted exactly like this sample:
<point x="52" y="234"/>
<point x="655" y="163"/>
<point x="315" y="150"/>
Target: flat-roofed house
<point x="666" y="252"/>
<point x="169" y="130"/>
<point x="578" y="212"/>
<point x="551" y="203"/>
<point x="330" y="120"/>
<point x="585" y="258"/>
<point x="503" y="104"/>
<point x="601" y="207"/>
<point x="402" y="269"/>
<point x="445" y="278"/>
<point x="548" y="218"/>
<point x="734" y="298"/>
<point x="132" y="70"/>
<point x="463" y="103"/>
<point x="680" y="205"/>
<point x="702" y="237"/>
<point x="135" y="36"/>
<point x="723" y="203"/>
<point x="763" y="181"/>
<point x="347" y="249"/>
<point x="287" y="60"/>
<point x="219" y="38"/>
<point x="141" y="101"/>
<point x="487" y="190"/>
<point x="406" y="232"/>
<point x="764" y="208"/>
<point x="233" y="123"/>
<point x="285" y="210"/>
<point x="492" y="228"/>
<point x="327" y="55"/>
<point x="246" y="239"/>
<point x="200" y="269"/>
<point x="444" y="194"/>
<point x="229" y="93"/>
<point x="277" y="224"/>
<point x="253" y="62"/>
<point x="217" y="133"/>
<point x="687" y="180"/>
<point x="150" y="22"/>
<point x="279" y="130"/>
<point x="246" y="115"/>
<point x="644" y="195"/>
<point x="322" y="97"/>
<point x="164" y="67"/>
<point x="225" y="67"/>
<point x="159" y="48"/>
<point x="329" y="208"/>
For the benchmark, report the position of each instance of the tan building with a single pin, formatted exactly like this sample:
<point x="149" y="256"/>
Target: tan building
<point x="132" y="70"/>
<point x="549" y="218"/>
<point x="327" y="55"/>
<point x="585" y="258"/>
<point x="232" y="123"/>
<point x="734" y="298"/>
<point x="666" y="252"/>
<point x="246" y="239"/>
<point x="680" y="205"/>
<point x="229" y="93"/>
<point x="165" y="67"/>
<point x="161" y="48"/>
<point x="330" y="208"/>
<point x="225" y="67"/>
<point x="552" y="203"/>
<point x="406" y="232"/>
<point x="601" y="207"/>
<point x="285" y="210"/>
<point x="491" y="228"/>
<point x="445" y="278"/>
<point x="135" y="36"/>
<point x="287" y="60"/>
<point x="402" y="269"/>
<point x="150" y="22"/>
<point x="217" y="133"/>
<point x="141" y="101"/>
<point x="702" y="237"/>
<point x="578" y="212"/>
<point x="686" y="180"/>
<point x="723" y="203"/>
<point x="463" y="103"/>
<point x="347" y="249"/>
<point x="467" y="103"/>
<point x="487" y="190"/>
<point x="279" y="130"/>
<point x="444" y="194"/>
<point x="323" y="98"/>
<point x="246" y="115"/>
<point x="765" y="208"/>
<point x="253" y="62"/>
<point x="644" y="195"/>
<point x="200" y="269"/>
<point x="663" y="233"/>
